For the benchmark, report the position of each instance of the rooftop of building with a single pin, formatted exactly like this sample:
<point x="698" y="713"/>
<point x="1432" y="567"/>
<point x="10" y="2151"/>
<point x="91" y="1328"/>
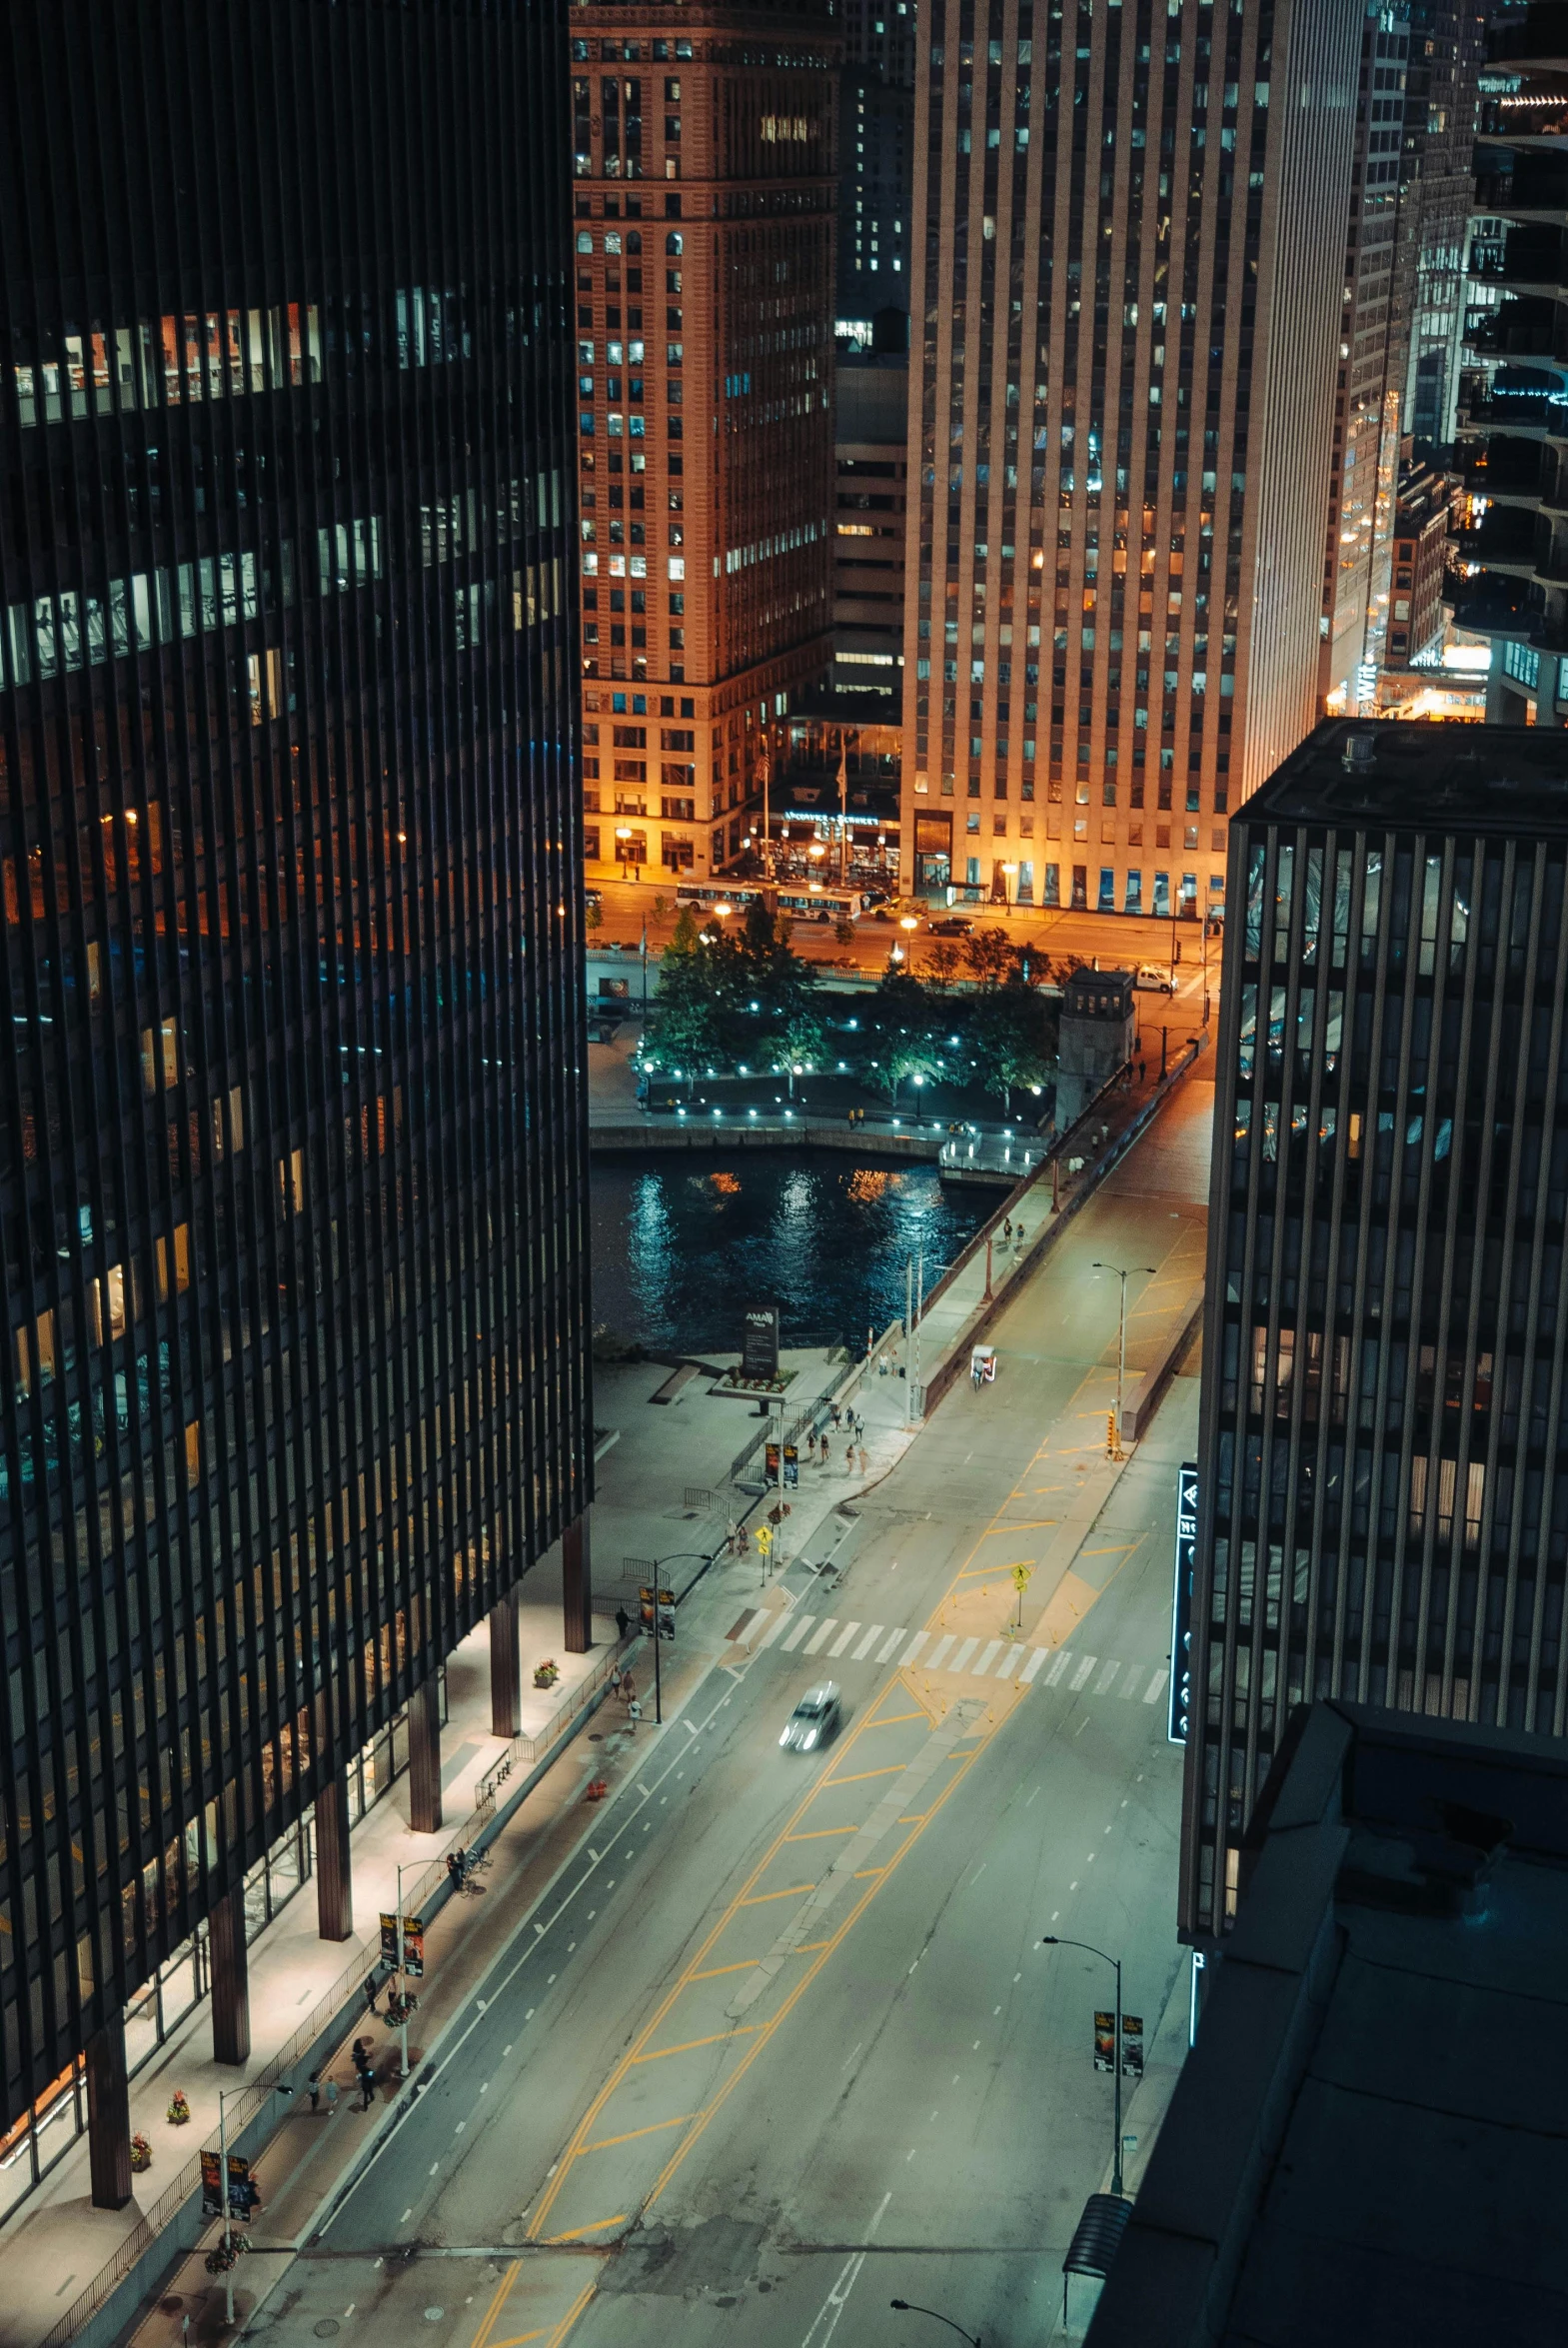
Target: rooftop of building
<point x="1511" y="779"/>
<point x="1366" y="2143"/>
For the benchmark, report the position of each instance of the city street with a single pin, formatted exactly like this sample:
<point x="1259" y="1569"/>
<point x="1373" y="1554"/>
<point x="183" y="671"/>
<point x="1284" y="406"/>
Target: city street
<point x="1062" y="934"/>
<point x="720" y="2088"/>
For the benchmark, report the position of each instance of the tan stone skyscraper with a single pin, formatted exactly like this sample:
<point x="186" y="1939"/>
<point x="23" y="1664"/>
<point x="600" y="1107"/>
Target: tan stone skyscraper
<point x="705" y="144"/>
<point x="1127" y="273"/>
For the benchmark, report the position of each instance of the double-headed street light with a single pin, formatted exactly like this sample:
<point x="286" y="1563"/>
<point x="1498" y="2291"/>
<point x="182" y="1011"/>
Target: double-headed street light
<point x="1117" y="1452"/>
<point x="1053" y="1941"/>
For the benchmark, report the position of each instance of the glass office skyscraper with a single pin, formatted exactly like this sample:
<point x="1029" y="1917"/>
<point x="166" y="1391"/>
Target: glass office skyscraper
<point x="292" y="1126"/>
<point x="1383" y="1470"/>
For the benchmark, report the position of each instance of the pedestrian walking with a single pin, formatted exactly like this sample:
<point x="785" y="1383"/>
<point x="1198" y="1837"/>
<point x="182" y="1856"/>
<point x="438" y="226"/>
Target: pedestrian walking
<point x="835" y="1416"/>
<point x="861" y="1457"/>
<point x="634" y="1713"/>
<point x="332" y="2095"/>
<point x="367" y="2089"/>
<point x="627" y="1690"/>
<point x="360" y="2050"/>
<point x="1006" y="1233"/>
<point x="848" y="1458"/>
<point x="371" y="1993"/>
<point x="825" y="1448"/>
<point x="614" y="1679"/>
<point x="623" y="1622"/>
<point x="1142" y="1067"/>
<point x="313" y="2083"/>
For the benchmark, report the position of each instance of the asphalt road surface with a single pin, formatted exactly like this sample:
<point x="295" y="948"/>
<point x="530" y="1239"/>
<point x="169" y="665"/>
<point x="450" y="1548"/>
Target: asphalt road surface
<point x="780" y="2044"/>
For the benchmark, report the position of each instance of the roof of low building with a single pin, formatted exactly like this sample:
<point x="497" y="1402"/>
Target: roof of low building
<point x="1367" y="2143"/>
<point x="1361" y="775"/>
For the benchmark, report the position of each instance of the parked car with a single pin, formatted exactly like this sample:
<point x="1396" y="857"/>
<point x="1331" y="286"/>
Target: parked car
<point x="951" y="925"/>
<point x="1153" y="979"/>
<point x="814" y="1720"/>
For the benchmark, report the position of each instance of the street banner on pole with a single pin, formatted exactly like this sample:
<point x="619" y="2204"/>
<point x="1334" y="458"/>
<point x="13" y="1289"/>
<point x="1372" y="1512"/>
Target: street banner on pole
<point x="413" y="1947"/>
<point x="1104" y="2040"/>
<point x="388" y="1938"/>
<point x="212" y="2185"/>
<point x="243" y="2196"/>
<point x="1132" y="2046"/>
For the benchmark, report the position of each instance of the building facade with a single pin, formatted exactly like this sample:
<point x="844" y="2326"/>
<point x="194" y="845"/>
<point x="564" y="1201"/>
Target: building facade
<point x="1447" y="43"/>
<point x="1120" y="425"/>
<point x="1513" y="424"/>
<point x="705" y="152"/>
<point x="296" y="1386"/>
<point x="1383" y="1473"/>
<point x="870" y="460"/>
<point x="1424" y="520"/>
<point x="1381" y="251"/>
<point x="877" y="126"/>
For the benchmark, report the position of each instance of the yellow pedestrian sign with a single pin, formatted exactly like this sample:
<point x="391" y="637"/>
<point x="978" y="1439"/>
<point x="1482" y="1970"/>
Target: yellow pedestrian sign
<point x="1022" y="1576"/>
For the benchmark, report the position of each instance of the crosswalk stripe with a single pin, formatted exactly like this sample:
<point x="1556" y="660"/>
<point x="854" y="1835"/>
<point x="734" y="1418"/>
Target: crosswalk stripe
<point x="798" y="1632"/>
<point x="1037" y="1658"/>
<point x="869" y="1641"/>
<point x="914" y="1646"/>
<point x="1009" y="1662"/>
<point x="1129" y="1681"/>
<point x="1083" y="1672"/>
<point x="1103" y="1685"/>
<point x="988" y="1660"/>
<point x="1151" y="1692"/>
<point x="844" y="1639"/>
<point x="933" y="1659"/>
<point x="742" y="1629"/>
<point x="1059" y="1667"/>
<point x="780" y="1622"/>
<point x="960" y="1662"/>
<point x="892" y="1647"/>
<point x="822" y="1637"/>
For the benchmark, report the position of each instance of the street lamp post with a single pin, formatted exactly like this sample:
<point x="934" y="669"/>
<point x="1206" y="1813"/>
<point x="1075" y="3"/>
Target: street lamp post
<point x="224" y="2094"/>
<point x="908" y="2307"/>
<point x="1121" y="1336"/>
<point x="1053" y="1941"/>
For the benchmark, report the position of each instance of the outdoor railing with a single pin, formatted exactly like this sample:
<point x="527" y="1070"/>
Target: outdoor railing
<point x="529" y="1749"/>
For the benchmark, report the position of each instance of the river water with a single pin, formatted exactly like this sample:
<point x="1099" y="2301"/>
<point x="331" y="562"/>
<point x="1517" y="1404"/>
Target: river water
<point x="682" y="1245"/>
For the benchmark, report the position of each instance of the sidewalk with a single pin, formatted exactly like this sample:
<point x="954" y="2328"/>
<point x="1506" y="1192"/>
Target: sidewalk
<point x="58" y="2242"/>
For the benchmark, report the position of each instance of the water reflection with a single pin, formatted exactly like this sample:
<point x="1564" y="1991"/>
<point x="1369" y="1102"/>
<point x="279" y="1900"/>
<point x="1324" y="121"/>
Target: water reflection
<point x="680" y="1250"/>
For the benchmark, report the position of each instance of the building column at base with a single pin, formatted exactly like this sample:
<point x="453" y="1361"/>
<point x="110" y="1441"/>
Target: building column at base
<point x="577" y="1586"/>
<point x="506" y="1670"/>
<point x="231" y="1980"/>
<point x="108" y="2116"/>
<point x="334" y="1875"/>
<point x="424" y="1758"/>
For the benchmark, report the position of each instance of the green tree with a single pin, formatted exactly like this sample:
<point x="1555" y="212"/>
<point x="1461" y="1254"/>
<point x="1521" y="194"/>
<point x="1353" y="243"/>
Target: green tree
<point x="592" y="914"/>
<point x="1012" y="1041"/>
<point x="987" y="957"/>
<point x="941" y="965"/>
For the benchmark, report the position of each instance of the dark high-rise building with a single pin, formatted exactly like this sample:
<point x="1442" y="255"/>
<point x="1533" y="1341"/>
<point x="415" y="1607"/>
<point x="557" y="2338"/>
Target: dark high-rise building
<point x="1127" y="302"/>
<point x="1513" y="424"/>
<point x="1383" y="1465"/>
<point x="295" y="1388"/>
<point x="876" y="132"/>
<point x="1446" y="44"/>
<point x="705" y="152"/>
<point x="1380" y="262"/>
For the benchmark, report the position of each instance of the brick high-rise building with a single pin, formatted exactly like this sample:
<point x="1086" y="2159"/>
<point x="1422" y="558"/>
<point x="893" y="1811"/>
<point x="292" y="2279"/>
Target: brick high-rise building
<point x="1127" y="299"/>
<point x="705" y="148"/>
